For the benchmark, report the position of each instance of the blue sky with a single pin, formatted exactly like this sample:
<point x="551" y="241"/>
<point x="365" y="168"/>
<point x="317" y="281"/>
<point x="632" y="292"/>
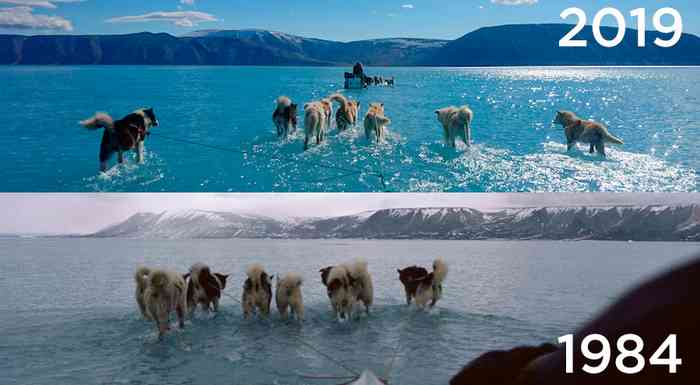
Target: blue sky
<point x="329" y="19"/>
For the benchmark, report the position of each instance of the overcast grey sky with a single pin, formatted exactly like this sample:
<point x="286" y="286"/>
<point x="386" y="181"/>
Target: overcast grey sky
<point x="83" y="213"/>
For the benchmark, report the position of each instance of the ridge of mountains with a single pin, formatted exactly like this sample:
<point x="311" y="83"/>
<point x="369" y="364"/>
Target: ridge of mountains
<point x="643" y="223"/>
<point x="506" y="45"/>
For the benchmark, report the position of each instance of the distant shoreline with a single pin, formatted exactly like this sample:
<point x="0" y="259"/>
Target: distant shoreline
<point x="514" y="45"/>
<point x="91" y="237"/>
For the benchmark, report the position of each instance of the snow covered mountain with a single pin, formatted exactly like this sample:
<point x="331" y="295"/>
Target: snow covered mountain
<point x="650" y="223"/>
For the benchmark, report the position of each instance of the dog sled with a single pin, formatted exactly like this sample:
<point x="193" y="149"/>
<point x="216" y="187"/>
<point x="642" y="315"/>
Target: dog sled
<point x="368" y="378"/>
<point x="354" y="82"/>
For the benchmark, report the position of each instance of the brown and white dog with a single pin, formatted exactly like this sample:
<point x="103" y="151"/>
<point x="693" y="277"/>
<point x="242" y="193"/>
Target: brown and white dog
<point x="411" y="277"/>
<point x="456" y="123"/>
<point x="204" y="288"/>
<point x="429" y="290"/>
<point x="288" y="296"/>
<point x="163" y="292"/>
<point x="285" y="117"/>
<point x="316" y="118"/>
<point x="375" y="122"/>
<point x="340" y="291"/>
<point x="347" y="284"/>
<point x="346" y="115"/>
<point x="585" y="131"/>
<point x="257" y="291"/>
<point x="122" y="135"/>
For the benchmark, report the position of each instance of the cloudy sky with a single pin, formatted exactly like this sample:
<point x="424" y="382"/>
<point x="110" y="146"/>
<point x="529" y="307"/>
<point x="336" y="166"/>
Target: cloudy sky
<point x="84" y="213"/>
<point x="330" y="19"/>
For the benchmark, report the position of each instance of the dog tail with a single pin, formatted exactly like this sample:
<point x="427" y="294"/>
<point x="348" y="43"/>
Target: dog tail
<point x="610" y="138"/>
<point x="290" y="281"/>
<point x="283" y="101"/>
<point x="358" y="268"/>
<point x="255" y="273"/>
<point x="338" y="98"/>
<point x="439" y="271"/>
<point x="99" y="120"/>
<point x="158" y="280"/>
<point x="383" y="120"/>
<point x="465" y="114"/>
<point x="141" y="277"/>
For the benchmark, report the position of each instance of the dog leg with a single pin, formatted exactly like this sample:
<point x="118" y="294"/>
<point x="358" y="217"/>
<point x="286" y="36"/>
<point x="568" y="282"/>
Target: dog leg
<point x="306" y="142"/>
<point x="592" y="150"/>
<point x="180" y="316"/>
<point x="600" y="147"/>
<point x="408" y="298"/>
<point x="215" y="304"/>
<point x="467" y="135"/>
<point x="569" y="146"/>
<point x="120" y="156"/>
<point x="139" y="152"/>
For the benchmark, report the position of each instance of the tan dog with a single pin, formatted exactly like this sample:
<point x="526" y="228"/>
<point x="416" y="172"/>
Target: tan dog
<point x="456" y="123"/>
<point x="257" y="291"/>
<point x="375" y="121"/>
<point x="585" y="131"/>
<point x="346" y="115"/>
<point x="165" y="292"/>
<point x="315" y="122"/>
<point x="288" y="296"/>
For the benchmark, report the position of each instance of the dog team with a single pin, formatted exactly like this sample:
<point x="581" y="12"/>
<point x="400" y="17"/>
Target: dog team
<point x="160" y="293"/>
<point x="130" y="132"/>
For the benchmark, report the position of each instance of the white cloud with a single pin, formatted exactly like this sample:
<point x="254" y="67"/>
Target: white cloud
<point x="25" y="18"/>
<point x="408" y="6"/>
<point x="38" y="3"/>
<point x="179" y="18"/>
<point x="515" y="2"/>
<point x="187" y="2"/>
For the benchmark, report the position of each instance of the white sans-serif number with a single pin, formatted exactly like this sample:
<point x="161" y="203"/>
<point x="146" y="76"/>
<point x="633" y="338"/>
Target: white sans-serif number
<point x="676" y="28"/>
<point x="629" y="349"/>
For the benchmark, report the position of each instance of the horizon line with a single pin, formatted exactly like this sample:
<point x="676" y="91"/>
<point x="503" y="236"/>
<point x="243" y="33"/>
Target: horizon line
<point x="54" y="34"/>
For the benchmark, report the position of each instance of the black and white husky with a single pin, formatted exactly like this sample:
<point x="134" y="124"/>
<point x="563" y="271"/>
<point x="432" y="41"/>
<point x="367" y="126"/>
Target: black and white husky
<point x="285" y="117"/>
<point x="122" y="135"/>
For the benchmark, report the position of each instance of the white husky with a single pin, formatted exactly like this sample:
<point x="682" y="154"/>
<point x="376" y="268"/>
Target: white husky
<point x="456" y="123"/>
<point x="257" y="291"/>
<point x="362" y="283"/>
<point x="430" y="289"/>
<point x="164" y="293"/>
<point x="288" y="295"/>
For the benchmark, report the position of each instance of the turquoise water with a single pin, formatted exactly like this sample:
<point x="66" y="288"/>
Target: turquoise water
<point x="655" y="110"/>
<point x="69" y="315"/>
